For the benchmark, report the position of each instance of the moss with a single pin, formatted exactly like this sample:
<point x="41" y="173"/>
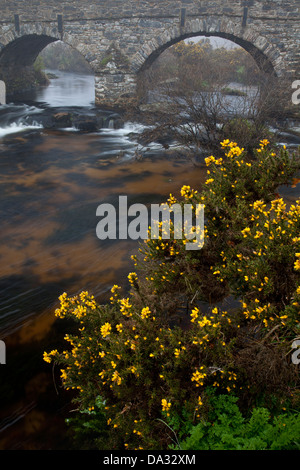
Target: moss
<point x="106" y="60"/>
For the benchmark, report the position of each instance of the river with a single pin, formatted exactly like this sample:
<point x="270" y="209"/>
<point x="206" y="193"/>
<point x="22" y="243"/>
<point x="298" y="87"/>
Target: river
<point x="52" y="180"/>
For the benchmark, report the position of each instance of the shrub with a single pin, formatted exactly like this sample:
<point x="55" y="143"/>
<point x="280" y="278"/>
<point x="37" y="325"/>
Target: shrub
<point x="235" y="187"/>
<point x="151" y="357"/>
<point x="142" y="369"/>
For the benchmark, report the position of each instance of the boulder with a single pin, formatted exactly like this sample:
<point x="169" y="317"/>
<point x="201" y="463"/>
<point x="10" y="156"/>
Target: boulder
<point x="63" y="119"/>
<point x="86" y="124"/>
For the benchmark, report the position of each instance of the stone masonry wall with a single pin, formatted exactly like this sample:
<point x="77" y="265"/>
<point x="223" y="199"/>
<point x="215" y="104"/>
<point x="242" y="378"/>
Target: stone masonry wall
<point x="120" y="37"/>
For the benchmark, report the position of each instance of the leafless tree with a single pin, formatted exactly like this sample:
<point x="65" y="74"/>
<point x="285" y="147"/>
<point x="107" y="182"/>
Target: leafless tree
<point x="184" y="107"/>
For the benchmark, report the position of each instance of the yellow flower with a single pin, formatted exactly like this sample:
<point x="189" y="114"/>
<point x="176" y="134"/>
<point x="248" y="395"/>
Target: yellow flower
<point x="116" y="378"/>
<point x="115" y="288"/>
<point x="105" y="329"/>
<point x="145" y="313"/>
<point x="209" y="160"/>
<point x="48" y="356"/>
<point x="177" y="352"/>
<point x="187" y="192"/>
<point x="234" y="151"/>
<point x="258" y="234"/>
<point x="133" y="279"/>
<point x="225" y="143"/>
<point x="258" y="204"/>
<point x="210" y="180"/>
<point x="125" y="307"/>
<point x="172" y="200"/>
<point x="297" y="265"/>
<point x="165" y="405"/>
<point x="245" y="231"/>
<point x="194" y="314"/>
<point x="185" y="189"/>
<point x="264" y="143"/>
<point x="198" y="377"/>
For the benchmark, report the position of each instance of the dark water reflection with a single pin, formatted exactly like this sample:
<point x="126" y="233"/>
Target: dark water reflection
<point x="51" y="183"/>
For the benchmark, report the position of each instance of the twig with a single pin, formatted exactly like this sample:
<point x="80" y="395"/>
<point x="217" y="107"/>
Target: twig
<point x="270" y="332"/>
<point x="176" y="442"/>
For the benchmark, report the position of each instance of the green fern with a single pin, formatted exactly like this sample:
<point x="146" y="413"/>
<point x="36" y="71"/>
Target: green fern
<point x="227" y="429"/>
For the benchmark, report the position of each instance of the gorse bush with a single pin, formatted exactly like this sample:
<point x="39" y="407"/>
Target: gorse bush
<point x="144" y="364"/>
<point x="141" y="368"/>
<point x="236" y="186"/>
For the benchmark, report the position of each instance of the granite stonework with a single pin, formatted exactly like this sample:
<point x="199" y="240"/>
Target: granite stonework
<point x="119" y="38"/>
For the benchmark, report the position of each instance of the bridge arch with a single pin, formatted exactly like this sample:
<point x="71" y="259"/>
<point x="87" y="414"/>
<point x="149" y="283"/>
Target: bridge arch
<point x="23" y="49"/>
<point x="265" y="54"/>
<point x="19" y="52"/>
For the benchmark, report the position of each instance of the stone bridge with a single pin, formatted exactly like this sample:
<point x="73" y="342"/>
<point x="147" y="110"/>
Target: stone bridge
<point x="120" y="38"/>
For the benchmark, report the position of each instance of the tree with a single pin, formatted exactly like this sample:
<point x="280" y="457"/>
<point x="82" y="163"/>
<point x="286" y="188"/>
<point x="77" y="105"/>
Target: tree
<point x="197" y="104"/>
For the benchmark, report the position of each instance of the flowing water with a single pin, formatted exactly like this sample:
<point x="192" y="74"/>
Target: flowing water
<point x="51" y="183"/>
